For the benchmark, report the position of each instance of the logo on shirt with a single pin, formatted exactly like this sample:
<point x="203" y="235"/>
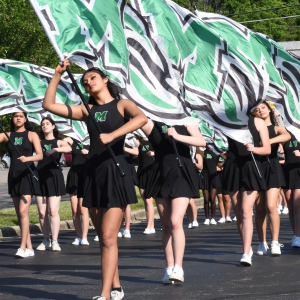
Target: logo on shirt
<point x="145" y="148"/>
<point x="48" y="147"/>
<point x="80" y="146"/>
<point x="18" y="141"/>
<point x="293" y="144"/>
<point x="209" y="156"/>
<point x="101" y="116"/>
<point x="164" y="129"/>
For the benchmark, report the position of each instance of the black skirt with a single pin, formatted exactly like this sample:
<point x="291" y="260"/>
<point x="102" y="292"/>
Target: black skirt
<point x="23" y="183"/>
<point x="52" y="182"/>
<point x="103" y="186"/>
<point x="75" y="180"/>
<point x="171" y="181"/>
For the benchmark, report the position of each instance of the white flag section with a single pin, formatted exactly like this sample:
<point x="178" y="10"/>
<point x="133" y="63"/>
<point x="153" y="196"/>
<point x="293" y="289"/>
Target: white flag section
<point x="23" y="87"/>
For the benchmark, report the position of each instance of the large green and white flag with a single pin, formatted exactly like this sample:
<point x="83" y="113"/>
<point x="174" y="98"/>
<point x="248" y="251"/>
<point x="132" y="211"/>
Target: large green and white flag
<point x="151" y="83"/>
<point x="282" y="67"/>
<point x="23" y="87"/>
<point x="88" y="33"/>
<point x="219" y="84"/>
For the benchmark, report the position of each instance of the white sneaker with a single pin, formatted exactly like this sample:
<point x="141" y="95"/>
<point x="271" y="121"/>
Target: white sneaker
<point x="190" y="225"/>
<point x="280" y="207"/>
<point x="29" y="252"/>
<point x="99" y="298"/>
<point x="116" y="295"/>
<point x="126" y="234"/>
<point x="77" y="241"/>
<point x="234" y="219"/>
<point x="246" y="260"/>
<point x="46" y="243"/>
<point x="20" y="253"/>
<point x="222" y="220"/>
<point x="285" y="211"/>
<point x="195" y="224"/>
<point x="279" y="211"/>
<point x="213" y="222"/>
<point x="206" y="222"/>
<point x="275" y="249"/>
<point x="296" y="242"/>
<point x="228" y="219"/>
<point x="120" y="234"/>
<point x="166" y="278"/>
<point x="55" y="246"/>
<point x="96" y="239"/>
<point x="84" y="242"/>
<point x="177" y="274"/>
<point x="262" y="248"/>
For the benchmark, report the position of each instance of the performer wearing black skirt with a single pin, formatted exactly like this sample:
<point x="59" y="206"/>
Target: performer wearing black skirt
<point x="105" y="192"/>
<point x="272" y="171"/>
<point x="212" y="185"/>
<point x="51" y="182"/>
<point x="172" y="183"/>
<point x="74" y="189"/>
<point x="243" y="181"/>
<point x="146" y="160"/>
<point x="21" y="184"/>
<point x="292" y="189"/>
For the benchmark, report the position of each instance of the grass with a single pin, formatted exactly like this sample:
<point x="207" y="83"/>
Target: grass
<point x="9" y="218"/>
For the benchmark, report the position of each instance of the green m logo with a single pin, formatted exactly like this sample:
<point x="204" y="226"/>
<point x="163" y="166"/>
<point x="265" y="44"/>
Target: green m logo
<point x="145" y="148"/>
<point x="293" y="144"/>
<point x="80" y="146"/>
<point x="209" y="156"/>
<point x="100" y="116"/>
<point x="164" y="128"/>
<point x="47" y="147"/>
<point x="18" y="141"/>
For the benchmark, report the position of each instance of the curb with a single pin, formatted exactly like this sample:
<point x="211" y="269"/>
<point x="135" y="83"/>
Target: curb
<point x="136" y="217"/>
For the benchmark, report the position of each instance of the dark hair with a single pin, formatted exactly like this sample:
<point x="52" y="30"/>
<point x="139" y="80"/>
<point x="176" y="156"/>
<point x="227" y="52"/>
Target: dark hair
<point x="27" y="124"/>
<point x="112" y="88"/>
<point x="55" y="131"/>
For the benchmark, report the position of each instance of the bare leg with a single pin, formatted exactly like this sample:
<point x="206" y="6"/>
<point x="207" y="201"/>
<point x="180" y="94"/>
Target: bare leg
<point x="22" y="205"/>
<point x="237" y="207"/>
<point x="227" y="204"/>
<point x="221" y="205"/>
<point x="212" y="199"/>
<point x="127" y="216"/>
<point x="206" y="203"/>
<point x="271" y="202"/>
<point x="85" y="220"/>
<point x="43" y="216"/>
<point x="76" y="215"/>
<point x="107" y="223"/>
<point x="53" y="206"/>
<point x="248" y="199"/>
<point x="149" y="208"/>
<point x="260" y="217"/>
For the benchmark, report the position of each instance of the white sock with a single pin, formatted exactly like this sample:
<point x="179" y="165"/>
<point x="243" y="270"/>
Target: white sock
<point x="274" y="242"/>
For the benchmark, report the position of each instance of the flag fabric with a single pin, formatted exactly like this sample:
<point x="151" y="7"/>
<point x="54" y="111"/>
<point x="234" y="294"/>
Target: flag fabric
<point x="23" y="87"/>
<point x="283" y="68"/>
<point x="220" y="85"/>
<point x="88" y="32"/>
<point x="176" y="65"/>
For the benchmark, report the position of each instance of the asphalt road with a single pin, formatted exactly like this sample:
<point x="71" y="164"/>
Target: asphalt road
<point x="211" y="264"/>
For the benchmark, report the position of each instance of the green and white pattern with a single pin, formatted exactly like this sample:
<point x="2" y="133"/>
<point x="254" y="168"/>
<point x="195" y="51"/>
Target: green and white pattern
<point x="23" y="87"/>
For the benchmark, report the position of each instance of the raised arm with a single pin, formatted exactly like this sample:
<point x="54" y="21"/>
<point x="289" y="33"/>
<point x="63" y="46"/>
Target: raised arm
<point x="75" y="112"/>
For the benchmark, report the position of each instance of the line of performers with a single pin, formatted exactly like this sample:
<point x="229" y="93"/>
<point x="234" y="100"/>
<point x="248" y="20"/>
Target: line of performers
<point x="251" y="175"/>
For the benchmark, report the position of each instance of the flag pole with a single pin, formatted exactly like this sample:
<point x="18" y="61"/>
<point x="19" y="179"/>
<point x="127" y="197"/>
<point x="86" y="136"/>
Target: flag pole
<point x="61" y="57"/>
<point x="14" y="146"/>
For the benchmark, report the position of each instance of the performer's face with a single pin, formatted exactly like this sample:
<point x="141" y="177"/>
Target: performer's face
<point x="93" y="82"/>
<point x="262" y="111"/>
<point x="47" y="126"/>
<point x="19" y="119"/>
